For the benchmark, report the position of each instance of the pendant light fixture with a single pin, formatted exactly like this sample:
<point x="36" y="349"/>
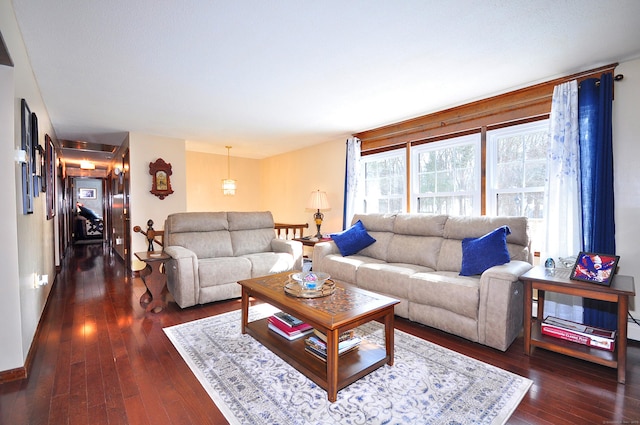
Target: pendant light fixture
<point x="228" y="184"/>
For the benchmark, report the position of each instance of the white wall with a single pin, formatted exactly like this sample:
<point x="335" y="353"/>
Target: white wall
<point x="626" y="150"/>
<point x="28" y="240"/>
<point x="144" y="149"/>
<point x="11" y="354"/>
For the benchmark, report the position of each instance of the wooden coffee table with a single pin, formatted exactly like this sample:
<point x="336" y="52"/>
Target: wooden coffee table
<point x="347" y="308"/>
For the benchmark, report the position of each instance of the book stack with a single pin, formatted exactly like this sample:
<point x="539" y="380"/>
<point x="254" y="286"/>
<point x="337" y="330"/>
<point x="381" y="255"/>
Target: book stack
<point x="316" y="344"/>
<point x="579" y="333"/>
<point x="288" y="326"/>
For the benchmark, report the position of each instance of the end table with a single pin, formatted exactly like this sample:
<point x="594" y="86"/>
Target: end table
<point x="554" y="280"/>
<point x="154" y="279"/>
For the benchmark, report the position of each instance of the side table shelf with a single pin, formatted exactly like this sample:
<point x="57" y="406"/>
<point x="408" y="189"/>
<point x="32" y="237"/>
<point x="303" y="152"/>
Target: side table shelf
<point x="546" y="280"/>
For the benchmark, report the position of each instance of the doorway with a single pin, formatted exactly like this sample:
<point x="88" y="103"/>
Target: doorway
<point x="88" y="224"/>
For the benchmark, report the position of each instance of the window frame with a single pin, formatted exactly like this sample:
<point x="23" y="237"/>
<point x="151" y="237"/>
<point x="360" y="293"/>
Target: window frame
<point x="372" y="157"/>
<point x="473" y="139"/>
<point x="491" y="163"/>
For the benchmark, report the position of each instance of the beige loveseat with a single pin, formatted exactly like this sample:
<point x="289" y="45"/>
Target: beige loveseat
<point x="417" y="259"/>
<point x="211" y="251"/>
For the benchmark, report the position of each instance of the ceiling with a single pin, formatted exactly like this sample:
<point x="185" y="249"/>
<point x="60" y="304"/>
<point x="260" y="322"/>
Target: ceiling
<point x="268" y="77"/>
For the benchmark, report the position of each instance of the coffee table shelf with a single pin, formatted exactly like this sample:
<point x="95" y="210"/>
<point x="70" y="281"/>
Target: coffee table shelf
<point x="353" y="365"/>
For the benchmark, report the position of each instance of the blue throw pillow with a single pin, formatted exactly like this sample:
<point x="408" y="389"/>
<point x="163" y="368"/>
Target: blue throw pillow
<point x="353" y="239"/>
<point x="479" y="254"/>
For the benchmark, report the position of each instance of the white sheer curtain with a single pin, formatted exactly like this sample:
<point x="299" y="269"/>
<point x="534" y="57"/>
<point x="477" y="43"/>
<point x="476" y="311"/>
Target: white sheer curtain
<point x="351" y="180"/>
<point x="563" y="214"/>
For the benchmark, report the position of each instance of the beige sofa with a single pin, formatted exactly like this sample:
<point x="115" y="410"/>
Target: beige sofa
<point x="211" y="251"/>
<point x="417" y="259"/>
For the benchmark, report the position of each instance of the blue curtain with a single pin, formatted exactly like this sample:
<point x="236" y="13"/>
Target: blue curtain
<point x="595" y="101"/>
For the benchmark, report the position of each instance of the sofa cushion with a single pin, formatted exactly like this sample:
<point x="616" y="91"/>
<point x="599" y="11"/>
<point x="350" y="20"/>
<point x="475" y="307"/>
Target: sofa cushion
<point x="221" y="270"/>
<point x="344" y="269"/>
<point x="251" y="241"/>
<point x="205" y="244"/>
<point x="195" y="222"/>
<point x="265" y="263"/>
<point x="420" y="250"/>
<point x="352" y="240"/>
<point x="446" y="290"/>
<point x="460" y="227"/>
<point x="250" y="220"/>
<point x="479" y="254"/>
<point x="389" y="279"/>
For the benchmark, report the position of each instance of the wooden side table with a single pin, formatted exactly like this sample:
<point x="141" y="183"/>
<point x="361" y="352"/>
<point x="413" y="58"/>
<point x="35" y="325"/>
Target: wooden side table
<point x="154" y="279"/>
<point x="557" y="280"/>
<point x="311" y="241"/>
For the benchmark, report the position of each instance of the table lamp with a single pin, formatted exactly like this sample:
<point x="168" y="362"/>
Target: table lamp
<point x="318" y="201"/>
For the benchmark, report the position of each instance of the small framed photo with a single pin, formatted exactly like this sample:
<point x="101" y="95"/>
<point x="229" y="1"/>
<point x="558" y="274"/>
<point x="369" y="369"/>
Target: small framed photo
<point x="87" y="193"/>
<point x="595" y="268"/>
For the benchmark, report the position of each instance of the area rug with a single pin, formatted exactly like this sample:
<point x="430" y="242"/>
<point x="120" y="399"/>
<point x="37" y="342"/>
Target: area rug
<point x="427" y="384"/>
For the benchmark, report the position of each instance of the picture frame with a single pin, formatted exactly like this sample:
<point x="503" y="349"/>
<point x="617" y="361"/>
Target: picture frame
<point x="161" y="181"/>
<point x="87" y="193"/>
<point x="37" y="157"/>
<point x="27" y="167"/>
<point x="595" y="268"/>
<point x="50" y="176"/>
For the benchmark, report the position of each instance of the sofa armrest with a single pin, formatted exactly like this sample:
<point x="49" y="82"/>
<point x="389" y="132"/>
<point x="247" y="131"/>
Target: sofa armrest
<point x="510" y="271"/>
<point x="500" y="313"/>
<point x="182" y="275"/>
<point x="321" y="250"/>
<point x="290" y="247"/>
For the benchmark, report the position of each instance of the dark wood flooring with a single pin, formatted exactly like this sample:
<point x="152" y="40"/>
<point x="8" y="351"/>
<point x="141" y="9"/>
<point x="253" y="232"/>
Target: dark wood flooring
<point x="99" y="359"/>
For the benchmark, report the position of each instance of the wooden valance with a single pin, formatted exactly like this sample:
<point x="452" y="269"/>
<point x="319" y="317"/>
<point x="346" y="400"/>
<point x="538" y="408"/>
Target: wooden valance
<point x="526" y="103"/>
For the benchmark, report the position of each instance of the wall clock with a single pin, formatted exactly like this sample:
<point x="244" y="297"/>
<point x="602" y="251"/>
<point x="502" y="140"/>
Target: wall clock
<point x="160" y="172"/>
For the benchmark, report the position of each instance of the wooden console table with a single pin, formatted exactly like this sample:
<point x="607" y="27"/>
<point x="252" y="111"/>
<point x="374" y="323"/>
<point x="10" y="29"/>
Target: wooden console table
<point x="154" y="279"/>
<point x="557" y="280"/>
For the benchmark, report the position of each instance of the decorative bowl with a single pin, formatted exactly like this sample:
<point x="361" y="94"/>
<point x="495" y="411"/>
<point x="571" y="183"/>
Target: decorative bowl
<point x="310" y="280"/>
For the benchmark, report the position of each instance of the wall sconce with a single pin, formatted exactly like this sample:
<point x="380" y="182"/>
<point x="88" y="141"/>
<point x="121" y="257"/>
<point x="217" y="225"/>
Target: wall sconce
<point x="21" y="156"/>
<point x="228" y="184"/>
<point x="318" y="201"/>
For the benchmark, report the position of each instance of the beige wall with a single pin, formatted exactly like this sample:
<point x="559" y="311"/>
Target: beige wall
<point x="289" y="179"/>
<point x="144" y="149"/>
<point x="28" y="240"/>
<point x="205" y="172"/>
<point x="626" y="151"/>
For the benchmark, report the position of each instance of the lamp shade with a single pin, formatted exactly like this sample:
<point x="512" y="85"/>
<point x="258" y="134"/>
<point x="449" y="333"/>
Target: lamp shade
<point x="318" y="201"/>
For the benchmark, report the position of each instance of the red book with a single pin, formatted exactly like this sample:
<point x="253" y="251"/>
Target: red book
<point x="581" y="334"/>
<point x="288" y="329"/>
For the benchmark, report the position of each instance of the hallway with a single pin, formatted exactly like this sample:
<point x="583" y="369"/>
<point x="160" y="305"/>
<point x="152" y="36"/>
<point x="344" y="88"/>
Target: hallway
<point x="99" y="359"/>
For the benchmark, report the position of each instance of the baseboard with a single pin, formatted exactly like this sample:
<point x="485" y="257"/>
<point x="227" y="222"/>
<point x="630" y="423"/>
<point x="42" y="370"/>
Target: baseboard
<point x="633" y="331"/>
<point x="13" y="374"/>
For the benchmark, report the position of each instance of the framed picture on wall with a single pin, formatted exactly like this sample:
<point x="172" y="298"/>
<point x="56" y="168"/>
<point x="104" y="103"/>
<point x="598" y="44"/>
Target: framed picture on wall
<point x="50" y="176"/>
<point x="87" y="193"/>
<point x="27" y="168"/>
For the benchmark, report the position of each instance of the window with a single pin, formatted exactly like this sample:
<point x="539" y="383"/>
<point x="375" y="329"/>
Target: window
<point x="445" y="176"/>
<point x="384" y="177"/>
<point x="516" y="174"/>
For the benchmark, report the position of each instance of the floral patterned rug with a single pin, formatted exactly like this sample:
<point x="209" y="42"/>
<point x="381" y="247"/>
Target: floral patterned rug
<point x="427" y="384"/>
